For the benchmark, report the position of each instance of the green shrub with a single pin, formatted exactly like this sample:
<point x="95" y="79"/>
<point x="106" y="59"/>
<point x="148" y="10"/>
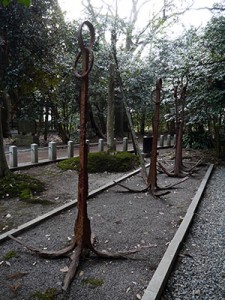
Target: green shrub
<point x="103" y="162"/>
<point x="21" y="185"/>
<point x="197" y="140"/>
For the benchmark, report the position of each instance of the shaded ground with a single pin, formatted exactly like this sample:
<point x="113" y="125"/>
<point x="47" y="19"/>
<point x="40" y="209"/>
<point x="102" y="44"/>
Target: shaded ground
<point x="121" y="221"/>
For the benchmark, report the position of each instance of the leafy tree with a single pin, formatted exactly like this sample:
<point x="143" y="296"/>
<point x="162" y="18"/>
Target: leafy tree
<point x="34" y="41"/>
<point x="132" y="44"/>
<point x="7" y="2"/>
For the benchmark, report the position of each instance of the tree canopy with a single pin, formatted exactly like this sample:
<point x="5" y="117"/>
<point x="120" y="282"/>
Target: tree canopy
<point x="38" y="49"/>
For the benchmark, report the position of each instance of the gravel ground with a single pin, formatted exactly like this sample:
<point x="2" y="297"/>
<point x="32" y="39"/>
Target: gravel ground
<point x="61" y="188"/>
<point x="200" y="270"/>
<point x="121" y="221"/>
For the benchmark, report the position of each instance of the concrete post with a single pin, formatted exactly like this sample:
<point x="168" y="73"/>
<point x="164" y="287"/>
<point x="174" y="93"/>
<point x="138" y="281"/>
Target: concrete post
<point x="125" y="144"/>
<point x="161" y="140"/>
<point x="100" y="145"/>
<point x="70" y="149"/>
<point x="168" y="140"/>
<point x="34" y="153"/>
<point x="52" y="152"/>
<point x="13" y="159"/>
<point x="88" y="145"/>
<point x="114" y="144"/>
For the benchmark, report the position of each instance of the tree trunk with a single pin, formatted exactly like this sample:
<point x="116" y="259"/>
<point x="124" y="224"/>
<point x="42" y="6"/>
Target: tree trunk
<point x="119" y="118"/>
<point x="94" y="124"/>
<point x="111" y="108"/>
<point x="61" y="130"/>
<point x="142" y="121"/>
<point x="152" y="175"/>
<point x="128" y="115"/>
<point x="179" y="129"/>
<point x="178" y="149"/>
<point x="46" y="123"/>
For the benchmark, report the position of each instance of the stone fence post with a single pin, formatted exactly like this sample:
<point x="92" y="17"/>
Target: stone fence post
<point x="100" y="145"/>
<point x="161" y="140"/>
<point x="34" y="153"/>
<point x="13" y="159"/>
<point x="125" y="144"/>
<point x="70" y="149"/>
<point x="52" y="151"/>
<point x="88" y="145"/>
<point x="168" y="140"/>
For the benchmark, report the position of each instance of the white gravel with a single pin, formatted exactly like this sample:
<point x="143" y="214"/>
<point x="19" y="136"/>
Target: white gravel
<point x="200" y="270"/>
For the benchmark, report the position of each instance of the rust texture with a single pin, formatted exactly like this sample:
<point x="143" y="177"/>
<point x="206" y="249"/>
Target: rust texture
<point x="87" y="57"/>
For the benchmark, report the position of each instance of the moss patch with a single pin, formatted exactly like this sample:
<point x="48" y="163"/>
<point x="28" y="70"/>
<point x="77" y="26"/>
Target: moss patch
<point x="49" y="294"/>
<point x="93" y="282"/>
<point x="10" y="254"/>
<point x="21" y="185"/>
<point x="103" y="162"/>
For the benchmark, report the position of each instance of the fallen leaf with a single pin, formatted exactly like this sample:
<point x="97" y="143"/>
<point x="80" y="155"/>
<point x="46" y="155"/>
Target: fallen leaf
<point x="15" y="287"/>
<point x="81" y="273"/>
<point x="138" y="296"/>
<point x="128" y="289"/>
<point x="17" y="275"/>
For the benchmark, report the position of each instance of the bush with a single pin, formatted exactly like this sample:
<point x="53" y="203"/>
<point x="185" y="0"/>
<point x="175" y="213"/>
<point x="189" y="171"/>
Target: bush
<point x="19" y="185"/>
<point x="198" y="140"/>
<point x="103" y="162"/>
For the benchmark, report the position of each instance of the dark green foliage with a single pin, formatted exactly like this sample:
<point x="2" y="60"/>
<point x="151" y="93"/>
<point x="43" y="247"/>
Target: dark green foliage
<point x="24" y="2"/>
<point x="197" y="140"/>
<point x="21" y="185"/>
<point x="103" y="162"/>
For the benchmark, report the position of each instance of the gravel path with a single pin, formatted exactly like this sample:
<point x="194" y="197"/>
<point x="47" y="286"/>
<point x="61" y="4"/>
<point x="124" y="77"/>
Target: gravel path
<point x="200" y="270"/>
<point x="121" y="222"/>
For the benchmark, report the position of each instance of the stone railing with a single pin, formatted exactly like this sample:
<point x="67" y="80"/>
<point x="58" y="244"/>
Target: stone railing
<point x="17" y="157"/>
<point x="35" y="155"/>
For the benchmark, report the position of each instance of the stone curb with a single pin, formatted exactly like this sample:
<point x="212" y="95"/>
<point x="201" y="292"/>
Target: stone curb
<point x="161" y="275"/>
<point x="61" y="208"/>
